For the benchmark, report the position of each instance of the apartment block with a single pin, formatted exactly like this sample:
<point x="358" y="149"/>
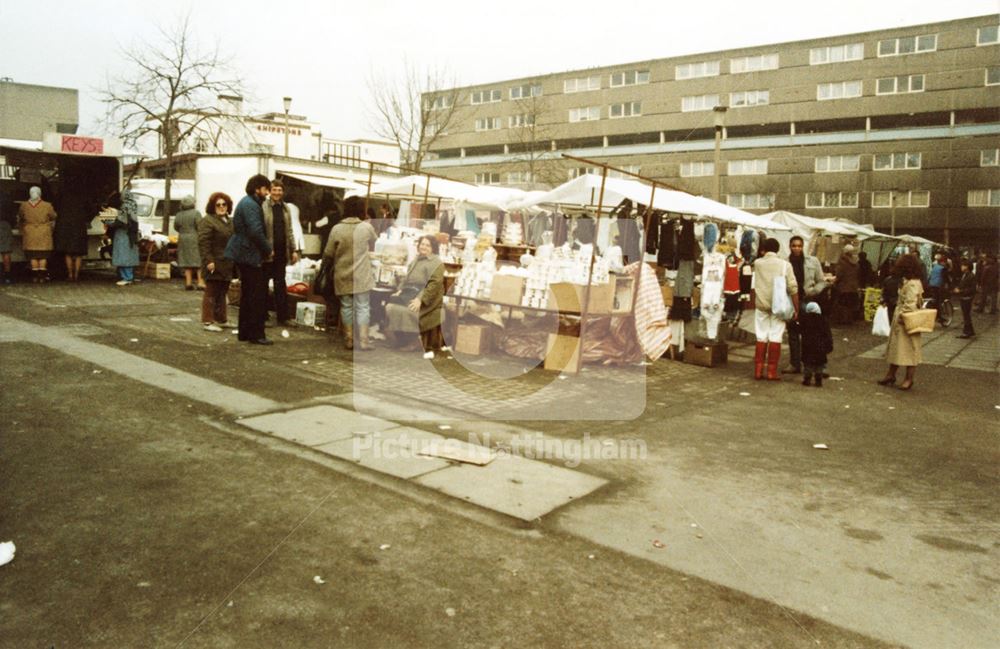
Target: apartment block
<point x="897" y="127"/>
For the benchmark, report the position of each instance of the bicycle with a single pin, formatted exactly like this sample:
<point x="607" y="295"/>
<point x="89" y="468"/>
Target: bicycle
<point x="945" y="310"/>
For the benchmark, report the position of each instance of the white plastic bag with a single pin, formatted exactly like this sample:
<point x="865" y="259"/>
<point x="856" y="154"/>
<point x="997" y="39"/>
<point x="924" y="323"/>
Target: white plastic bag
<point x="880" y="323"/>
<point x="781" y="304"/>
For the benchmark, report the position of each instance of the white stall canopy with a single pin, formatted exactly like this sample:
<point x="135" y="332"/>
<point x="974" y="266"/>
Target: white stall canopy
<point x="416" y="186"/>
<point x="585" y="190"/>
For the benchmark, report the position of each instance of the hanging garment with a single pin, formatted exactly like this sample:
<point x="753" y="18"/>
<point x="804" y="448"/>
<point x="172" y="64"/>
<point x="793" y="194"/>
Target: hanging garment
<point x="629" y="239"/>
<point x="746" y="279"/>
<point x="687" y="246"/>
<point x="731" y="283"/>
<point x="586" y="228"/>
<point x="560" y="229"/>
<point x="681" y="309"/>
<point x="712" y="276"/>
<point x="710" y="236"/>
<point x="667" y="256"/>
<point x="471" y="222"/>
<point x="684" y="283"/>
<point x="537" y="225"/>
<point x="653" y="236"/>
<point x="747" y="246"/>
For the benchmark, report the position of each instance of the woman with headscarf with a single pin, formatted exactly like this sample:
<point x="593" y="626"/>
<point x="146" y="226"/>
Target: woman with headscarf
<point x="188" y="258"/>
<point x="125" y="250"/>
<point x="35" y="219"/>
<point x="416" y="306"/>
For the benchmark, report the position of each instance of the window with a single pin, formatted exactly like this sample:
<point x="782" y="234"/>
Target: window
<point x="487" y="123"/>
<point x="747" y="167"/>
<point x="519" y="177"/>
<point x="488" y="178"/>
<point x="984" y="198"/>
<point x="524" y="92"/>
<point x="696" y="70"/>
<point x="907" y="45"/>
<point x="833" y="163"/>
<point x="914" y="198"/>
<point x="582" y="171"/>
<point x="750" y="201"/>
<point x="630" y="78"/>
<point x="486" y="96"/>
<point x="993" y="76"/>
<point x="749" y="98"/>
<point x="699" y="102"/>
<point x="899" y="85"/>
<point x="838" y="90"/>
<point x="444" y="101"/>
<point x="628" y="109"/>
<point x="584" y="114"/>
<point x="989" y="158"/>
<point x="889" y="161"/>
<point x="988" y="35"/>
<point x="582" y="84"/>
<point x="753" y="63"/>
<point x="837" y="54"/>
<point x="820" y="200"/>
<point x="517" y="121"/>
<point x="695" y="169"/>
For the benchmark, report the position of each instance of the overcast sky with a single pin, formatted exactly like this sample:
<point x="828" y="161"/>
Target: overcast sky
<point x="320" y="53"/>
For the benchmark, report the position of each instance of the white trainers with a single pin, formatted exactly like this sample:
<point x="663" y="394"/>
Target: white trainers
<point x="213" y="327"/>
<point x="122" y="282"/>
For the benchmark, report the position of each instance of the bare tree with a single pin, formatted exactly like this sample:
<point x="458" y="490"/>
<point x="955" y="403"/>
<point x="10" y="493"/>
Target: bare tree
<point x="530" y="144"/>
<point x="413" y="109"/>
<point x="169" y="90"/>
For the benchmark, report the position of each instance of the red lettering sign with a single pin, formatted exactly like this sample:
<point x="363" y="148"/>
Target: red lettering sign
<point x="78" y="144"/>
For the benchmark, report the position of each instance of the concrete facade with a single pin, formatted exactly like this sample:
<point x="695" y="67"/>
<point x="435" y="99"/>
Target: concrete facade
<point x="806" y="122"/>
<point x="27" y="110"/>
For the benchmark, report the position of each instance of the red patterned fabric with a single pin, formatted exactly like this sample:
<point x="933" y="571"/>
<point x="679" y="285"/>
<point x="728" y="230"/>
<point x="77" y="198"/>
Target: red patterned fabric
<point x="651" y="324"/>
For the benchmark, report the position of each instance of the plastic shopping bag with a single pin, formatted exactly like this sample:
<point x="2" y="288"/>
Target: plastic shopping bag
<point x="781" y="304"/>
<point x="880" y="323"/>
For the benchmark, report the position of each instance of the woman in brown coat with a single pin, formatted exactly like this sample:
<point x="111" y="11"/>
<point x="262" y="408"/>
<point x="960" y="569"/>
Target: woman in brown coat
<point x="214" y="232"/>
<point x="36" y="219"/>
<point x="416" y="307"/>
<point x="905" y="349"/>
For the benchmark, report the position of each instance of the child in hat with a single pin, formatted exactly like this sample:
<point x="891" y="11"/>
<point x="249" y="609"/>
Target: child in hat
<point x="817" y="342"/>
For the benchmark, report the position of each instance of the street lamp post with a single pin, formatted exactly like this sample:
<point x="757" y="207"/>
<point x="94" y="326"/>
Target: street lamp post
<point x="288" y="107"/>
<point x="719" y="115"/>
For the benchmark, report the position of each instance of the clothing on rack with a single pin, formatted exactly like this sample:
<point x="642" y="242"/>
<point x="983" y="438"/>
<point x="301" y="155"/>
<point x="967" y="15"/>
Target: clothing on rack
<point x="710" y="236"/>
<point x="537" y="225"/>
<point x="684" y="283"/>
<point x="667" y="255"/>
<point x="687" y="246"/>
<point x="629" y="239"/>
<point x="471" y="222"/>
<point x="748" y="245"/>
<point x="560" y="229"/>
<point x="586" y="228"/>
<point x="653" y="236"/>
<point x="681" y="309"/>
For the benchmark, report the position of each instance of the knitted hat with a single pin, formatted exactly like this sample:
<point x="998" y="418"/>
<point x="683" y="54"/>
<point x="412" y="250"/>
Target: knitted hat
<point x="812" y="307"/>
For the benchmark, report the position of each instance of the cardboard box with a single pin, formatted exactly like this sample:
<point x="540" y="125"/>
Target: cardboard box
<point x="569" y="298"/>
<point x="473" y="339"/>
<point x="310" y="314"/>
<point x="668" y="294"/>
<point x="507" y="289"/>
<point x="706" y="355"/>
<point x="623" y="295"/>
<point x="563" y="354"/>
<point x="156" y="271"/>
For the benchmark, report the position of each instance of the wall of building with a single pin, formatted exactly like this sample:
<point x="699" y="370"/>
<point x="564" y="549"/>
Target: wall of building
<point x="27" y="111"/>
<point x="953" y="117"/>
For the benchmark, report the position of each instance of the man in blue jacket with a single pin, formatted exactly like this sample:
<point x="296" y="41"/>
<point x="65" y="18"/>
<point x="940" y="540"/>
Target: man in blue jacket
<point x="248" y="248"/>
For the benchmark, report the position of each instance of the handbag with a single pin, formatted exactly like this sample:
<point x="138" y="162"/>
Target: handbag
<point x="323" y="282"/>
<point x="880" y="323"/>
<point x="920" y="321"/>
<point x="781" y="304"/>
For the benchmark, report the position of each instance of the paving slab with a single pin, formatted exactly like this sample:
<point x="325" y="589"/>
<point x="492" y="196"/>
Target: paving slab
<point x="522" y="488"/>
<point x="316" y="425"/>
<point x="393" y="452"/>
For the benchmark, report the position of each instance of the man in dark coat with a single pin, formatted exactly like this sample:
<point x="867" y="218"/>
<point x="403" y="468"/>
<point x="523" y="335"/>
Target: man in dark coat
<point x="248" y="248"/>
